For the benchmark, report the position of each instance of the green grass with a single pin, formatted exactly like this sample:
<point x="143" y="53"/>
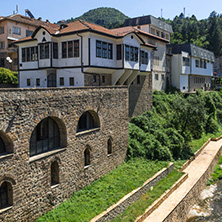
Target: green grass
<point x="139" y="207"/>
<point x="217" y="174"/>
<point x="101" y="194"/>
<point x="196" y="144"/>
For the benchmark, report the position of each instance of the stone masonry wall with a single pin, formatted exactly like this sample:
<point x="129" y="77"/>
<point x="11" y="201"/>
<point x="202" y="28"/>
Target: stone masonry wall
<point x="22" y="109"/>
<point x="140" y="95"/>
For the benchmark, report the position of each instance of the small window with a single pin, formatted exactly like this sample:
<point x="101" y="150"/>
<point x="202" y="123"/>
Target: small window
<point x="55" y="50"/>
<point x="5" y="195"/>
<point x="61" y="80"/>
<point x="103" y="79"/>
<point x="110" y="51"/>
<point x="28" y="33"/>
<point x="76" y="48"/>
<point x="162" y="77"/>
<point x="87" y="157"/>
<point x="70" y="49"/>
<point x="38" y="82"/>
<point x="156" y="76"/>
<point x="119" y="52"/>
<point x="127" y="52"/>
<point x="2" y="45"/>
<point x="98" y="48"/>
<point x="197" y="62"/>
<point x="64" y="53"/>
<point x="104" y="50"/>
<point x="1" y="30"/>
<point x="28" y="82"/>
<point x="71" y="81"/>
<point x="109" y="146"/>
<point x="16" y="30"/>
<point x="138" y="80"/>
<point x="205" y="64"/>
<point x="94" y="78"/>
<point x="132" y="53"/>
<point x="186" y="61"/>
<point x="54" y="173"/>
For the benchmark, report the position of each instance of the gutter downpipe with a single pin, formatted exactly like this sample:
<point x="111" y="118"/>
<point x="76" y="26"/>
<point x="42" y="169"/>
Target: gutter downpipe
<point x="82" y="68"/>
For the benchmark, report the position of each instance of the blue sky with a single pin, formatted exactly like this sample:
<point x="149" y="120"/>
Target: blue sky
<point x="55" y="10"/>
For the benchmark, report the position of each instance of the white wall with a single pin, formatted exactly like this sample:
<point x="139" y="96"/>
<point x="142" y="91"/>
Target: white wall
<point x="184" y="83"/>
<point x="201" y="71"/>
<point x="175" y="71"/>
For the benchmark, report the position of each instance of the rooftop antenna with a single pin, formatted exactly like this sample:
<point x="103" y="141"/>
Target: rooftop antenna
<point x="161" y="13"/>
<point x="17" y="9"/>
<point x="184" y="11"/>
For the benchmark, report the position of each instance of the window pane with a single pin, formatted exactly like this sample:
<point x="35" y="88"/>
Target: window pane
<point x="55" y="50"/>
<point x="110" y="51"/>
<point x="104" y="50"/>
<point x="42" y="53"/>
<point x="46" y="50"/>
<point x="23" y="55"/>
<point x="76" y="48"/>
<point x="70" y="49"/>
<point x="119" y="52"/>
<point x="127" y="53"/>
<point x="64" y="55"/>
<point x="71" y="81"/>
<point x="98" y="48"/>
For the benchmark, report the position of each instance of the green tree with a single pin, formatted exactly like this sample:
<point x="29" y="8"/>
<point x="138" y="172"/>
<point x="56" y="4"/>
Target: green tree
<point x="7" y="76"/>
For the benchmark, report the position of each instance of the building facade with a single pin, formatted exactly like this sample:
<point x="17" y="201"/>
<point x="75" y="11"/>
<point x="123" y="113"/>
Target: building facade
<point x="12" y="28"/>
<point x="84" y="54"/>
<point x="54" y="142"/>
<point x="192" y="67"/>
<point x="155" y="32"/>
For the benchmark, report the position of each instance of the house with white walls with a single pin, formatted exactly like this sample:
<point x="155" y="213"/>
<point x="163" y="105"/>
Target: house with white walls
<point x="155" y="32"/>
<point x="84" y="54"/>
<point x="192" y="67"/>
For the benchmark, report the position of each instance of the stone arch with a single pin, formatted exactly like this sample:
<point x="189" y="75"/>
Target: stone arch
<point x="6" y="144"/>
<point x="88" y="120"/>
<point x="50" y="133"/>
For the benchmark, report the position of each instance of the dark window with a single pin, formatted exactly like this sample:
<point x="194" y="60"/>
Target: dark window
<point x="76" y="48"/>
<point x="186" y="61"/>
<point x="5" y="195"/>
<point x="2" y="63"/>
<point x="64" y="53"/>
<point x="136" y="54"/>
<point x="110" y="51"/>
<point x="70" y="49"/>
<point x="119" y="52"/>
<point x="146" y="58"/>
<point x="44" y="51"/>
<point x="205" y="64"/>
<point x="28" y="82"/>
<point x="71" y="81"/>
<point x="61" y="81"/>
<point x="156" y="76"/>
<point x="103" y="79"/>
<point x="23" y="55"/>
<point x="28" y="33"/>
<point x="109" y="146"/>
<point x="2" y="146"/>
<point x="132" y="53"/>
<point x="28" y="57"/>
<point x="2" y="30"/>
<point x="98" y="48"/>
<point x="32" y="54"/>
<point x="138" y="79"/>
<point x="87" y="121"/>
<point x="54" y="173"/>
<point x="127" y="52"/>
<point x="87" y="157"/>
<point x="45" y="137"/>
<point x="104" y="50"/>
<point x="55" y="50"/>
<point x="142" y="57"/>
<point x="197" y="62"/>
<point x="162" y="76"/>
<point x="2" y="45"/>
<point x="38" y="82"/>
<point x="94" y="78"/>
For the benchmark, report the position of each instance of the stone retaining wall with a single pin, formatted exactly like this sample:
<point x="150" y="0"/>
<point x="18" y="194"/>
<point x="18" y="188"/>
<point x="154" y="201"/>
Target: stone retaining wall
<point x="133" y="196"/>
<point x="30" y="177"/>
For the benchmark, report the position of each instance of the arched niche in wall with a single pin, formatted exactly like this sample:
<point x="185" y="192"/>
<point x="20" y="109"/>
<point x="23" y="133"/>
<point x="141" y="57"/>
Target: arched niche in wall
<point x="49" y="134"/>
<point x="88" y="120"/>
<point x="6" y="145"/>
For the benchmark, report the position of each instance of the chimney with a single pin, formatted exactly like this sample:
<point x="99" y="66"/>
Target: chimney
<point x="40" y="18"/>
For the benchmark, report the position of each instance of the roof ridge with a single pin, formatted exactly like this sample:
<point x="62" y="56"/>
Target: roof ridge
<point x="83" y="22"/>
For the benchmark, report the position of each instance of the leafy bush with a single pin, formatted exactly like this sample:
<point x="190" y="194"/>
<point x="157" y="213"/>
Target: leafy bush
<point x="7" y="76"/>
<point x="176" y="119"/>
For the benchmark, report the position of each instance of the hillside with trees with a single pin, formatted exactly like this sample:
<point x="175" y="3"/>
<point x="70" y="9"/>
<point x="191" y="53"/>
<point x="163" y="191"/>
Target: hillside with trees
<point x="206" y="33"/>
<point x="106" y="17"/>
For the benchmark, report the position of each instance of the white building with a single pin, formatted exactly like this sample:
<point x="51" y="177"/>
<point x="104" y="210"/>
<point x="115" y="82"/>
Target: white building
<point x="82" y="54"/>
<point x="192" y="67"/>
<point x="155" y="32"/>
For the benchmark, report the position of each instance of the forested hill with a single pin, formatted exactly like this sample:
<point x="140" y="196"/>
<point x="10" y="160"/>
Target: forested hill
<point x="206" y="33"/>
<point x="106" y="17"/>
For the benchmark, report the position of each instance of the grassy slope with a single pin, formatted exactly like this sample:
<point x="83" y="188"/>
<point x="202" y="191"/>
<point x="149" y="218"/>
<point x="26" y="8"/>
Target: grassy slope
<point x="97" y="197"/>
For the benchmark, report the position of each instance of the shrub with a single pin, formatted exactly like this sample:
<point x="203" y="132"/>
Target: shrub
<point x="7" y="76"/>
